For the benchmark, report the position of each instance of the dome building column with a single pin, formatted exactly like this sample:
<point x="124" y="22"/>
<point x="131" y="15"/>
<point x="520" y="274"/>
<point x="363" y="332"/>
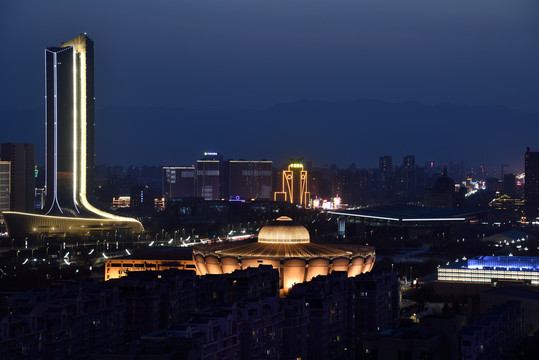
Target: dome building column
<point x="342" y="226"/>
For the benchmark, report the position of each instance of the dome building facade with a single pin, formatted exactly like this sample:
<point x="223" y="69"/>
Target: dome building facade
<point x="442" y="193"/>
<point x="286" y="246"/>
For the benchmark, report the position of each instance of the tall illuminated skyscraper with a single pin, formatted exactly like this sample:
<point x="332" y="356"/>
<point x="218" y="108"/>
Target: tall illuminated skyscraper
<point x="69" y="149"/>
<point x="69" y="111"/>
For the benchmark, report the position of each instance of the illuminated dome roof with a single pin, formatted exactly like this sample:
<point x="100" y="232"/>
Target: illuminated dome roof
<point x="284" y="250"/>
<point x="284" y="231"/>
<point x="283" y="239"/>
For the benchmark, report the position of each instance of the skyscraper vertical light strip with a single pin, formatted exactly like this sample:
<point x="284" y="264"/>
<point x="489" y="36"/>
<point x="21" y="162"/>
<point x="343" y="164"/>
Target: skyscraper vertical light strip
<point x="46" y="127"/>
<point x="75" y="129"/>
<point x="82" y="121"/>
<point x="56" y="131"/>
<point x="292" y="191"/>
<point x="80" y="48"/>
<point x="55" y="155"/>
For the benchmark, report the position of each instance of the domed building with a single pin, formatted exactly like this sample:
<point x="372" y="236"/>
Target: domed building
<point x="444" y="184"/>
<point x="285" y="245"/>
<point x="442" y="193"/>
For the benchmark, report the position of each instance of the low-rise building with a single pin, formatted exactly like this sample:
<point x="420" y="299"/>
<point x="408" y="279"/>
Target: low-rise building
<point x="157" y="259"/>
<point x="66" y="321"/>
<point x="495" y="334"/>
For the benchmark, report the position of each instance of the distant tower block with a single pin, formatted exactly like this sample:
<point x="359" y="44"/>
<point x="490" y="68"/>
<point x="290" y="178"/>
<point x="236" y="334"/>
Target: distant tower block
<point x="531" y="185"/>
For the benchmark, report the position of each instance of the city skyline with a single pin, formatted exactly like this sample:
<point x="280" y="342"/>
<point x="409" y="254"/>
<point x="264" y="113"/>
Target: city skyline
<point x="269" y="179"/>
<point x="473" y="142"/>
<point x="332" y="55"/>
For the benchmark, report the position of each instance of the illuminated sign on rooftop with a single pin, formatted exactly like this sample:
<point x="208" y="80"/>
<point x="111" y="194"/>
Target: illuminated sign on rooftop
<point x="296" y="165"/>
<point x="210" y="154"/>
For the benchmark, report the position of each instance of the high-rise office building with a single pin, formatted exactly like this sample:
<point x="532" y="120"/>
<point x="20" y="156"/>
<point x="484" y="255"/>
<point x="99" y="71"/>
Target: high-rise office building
<point x="179" y="181"/>
<point x="409" y="180"/>
<point x="5" y="190"/>
<point x="531" y="184"/>
<point x="408" y="162"/>
<point x="209" y="177"/>
<point x="22" y="158"/>
<point x="250" y="179"/>
<point x="385" y="167"/>
<point x="385" y="164"/>
<point x="510" y="185"/>
<point x="69" y="148"/>
<point x="294" y="186"/>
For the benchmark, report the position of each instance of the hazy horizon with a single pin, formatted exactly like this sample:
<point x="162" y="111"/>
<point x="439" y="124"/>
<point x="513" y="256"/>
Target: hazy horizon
<point x="236" y="56"/>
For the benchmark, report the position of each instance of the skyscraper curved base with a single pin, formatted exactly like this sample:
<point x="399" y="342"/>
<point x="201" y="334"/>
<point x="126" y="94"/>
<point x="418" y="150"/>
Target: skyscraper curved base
<point x="21" y="225"/>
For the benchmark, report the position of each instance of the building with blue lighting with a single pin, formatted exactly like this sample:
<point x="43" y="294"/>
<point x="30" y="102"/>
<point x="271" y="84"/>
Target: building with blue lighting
<point x="492" y="269"/>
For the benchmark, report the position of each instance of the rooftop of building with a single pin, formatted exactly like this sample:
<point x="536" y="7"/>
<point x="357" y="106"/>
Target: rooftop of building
<point x="409" y="213"/>
<point x="510" y="235"/>
<point x="515" y="292"/>
<point x="511" y="263"/>
<point x="161" y="253"/>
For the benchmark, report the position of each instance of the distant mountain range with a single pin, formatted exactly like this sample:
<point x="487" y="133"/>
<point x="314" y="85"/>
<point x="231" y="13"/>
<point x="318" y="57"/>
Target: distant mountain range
<point x="320" y="131"/>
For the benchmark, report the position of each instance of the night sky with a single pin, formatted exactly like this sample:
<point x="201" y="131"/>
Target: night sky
<point x="162" y="57"/>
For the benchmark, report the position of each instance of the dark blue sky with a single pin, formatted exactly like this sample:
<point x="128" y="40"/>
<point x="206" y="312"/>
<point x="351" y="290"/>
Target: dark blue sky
<point x="226" y="54"/>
